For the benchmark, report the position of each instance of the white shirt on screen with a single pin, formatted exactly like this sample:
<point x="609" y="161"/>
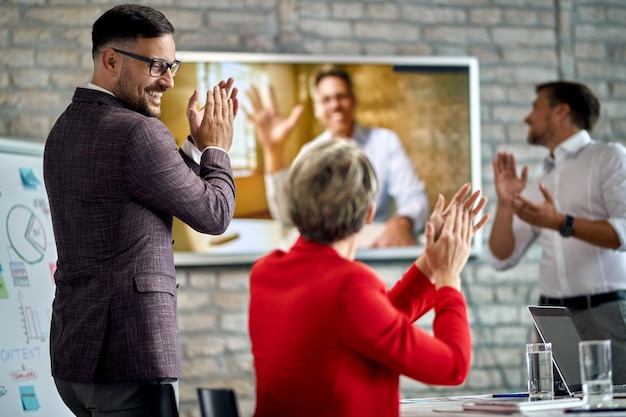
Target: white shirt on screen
<point x="401" y="192"/>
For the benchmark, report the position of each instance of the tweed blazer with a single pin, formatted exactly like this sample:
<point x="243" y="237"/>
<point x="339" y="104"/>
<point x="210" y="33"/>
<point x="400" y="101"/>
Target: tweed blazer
<point x="114" y="179"/>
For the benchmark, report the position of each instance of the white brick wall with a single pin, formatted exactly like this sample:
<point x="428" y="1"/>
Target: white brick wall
<point x="45" y="52"/>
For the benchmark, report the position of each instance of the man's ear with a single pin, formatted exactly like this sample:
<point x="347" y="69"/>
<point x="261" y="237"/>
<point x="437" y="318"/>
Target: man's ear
<point x="109" y="61"/>
<point x="563" y="111"/>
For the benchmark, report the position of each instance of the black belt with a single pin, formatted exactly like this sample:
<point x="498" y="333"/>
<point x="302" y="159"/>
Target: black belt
<point x="583" y="302"/>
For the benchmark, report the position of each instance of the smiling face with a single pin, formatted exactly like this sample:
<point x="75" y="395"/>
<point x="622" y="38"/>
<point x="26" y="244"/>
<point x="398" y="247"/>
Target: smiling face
<point x="135" y="86"/>
<point x="334" y="106"/>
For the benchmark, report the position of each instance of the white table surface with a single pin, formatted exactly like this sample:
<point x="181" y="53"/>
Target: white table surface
<point x="453" y="406"/>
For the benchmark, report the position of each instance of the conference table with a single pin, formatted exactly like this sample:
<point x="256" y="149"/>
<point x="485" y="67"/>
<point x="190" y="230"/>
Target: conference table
<point x="453" y="407"/>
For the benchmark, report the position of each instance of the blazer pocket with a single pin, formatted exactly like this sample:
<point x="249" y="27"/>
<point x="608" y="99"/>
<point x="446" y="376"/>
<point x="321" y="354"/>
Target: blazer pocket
<point x="155" y="283"/>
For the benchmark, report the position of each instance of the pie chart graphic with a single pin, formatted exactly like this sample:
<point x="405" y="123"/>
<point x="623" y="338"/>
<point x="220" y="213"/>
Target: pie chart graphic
<point x="26" y="234"/>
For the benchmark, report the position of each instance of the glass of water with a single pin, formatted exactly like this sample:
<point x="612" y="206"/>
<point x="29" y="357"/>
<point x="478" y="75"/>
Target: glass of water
<point x="596" y="373"/>
<point x="539" y="370"/>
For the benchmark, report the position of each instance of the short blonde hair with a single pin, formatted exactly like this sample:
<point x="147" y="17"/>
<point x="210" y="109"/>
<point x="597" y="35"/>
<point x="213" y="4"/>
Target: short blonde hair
<point x="329" y="190"/>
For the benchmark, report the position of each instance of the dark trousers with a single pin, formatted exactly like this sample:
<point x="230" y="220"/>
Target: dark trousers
<point x="125" y="399"/>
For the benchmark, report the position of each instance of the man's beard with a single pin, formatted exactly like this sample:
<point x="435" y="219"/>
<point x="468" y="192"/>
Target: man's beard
<point x="123" y="90"/>
<point x="533" y="139"/>
<point x="540" y="138"/>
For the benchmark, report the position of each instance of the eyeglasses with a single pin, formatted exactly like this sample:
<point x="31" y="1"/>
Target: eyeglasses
<point x="158" y="67"/>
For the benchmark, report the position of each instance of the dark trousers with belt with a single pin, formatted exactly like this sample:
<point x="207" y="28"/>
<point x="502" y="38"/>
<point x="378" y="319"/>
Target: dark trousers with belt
<point x="600" y="317"/>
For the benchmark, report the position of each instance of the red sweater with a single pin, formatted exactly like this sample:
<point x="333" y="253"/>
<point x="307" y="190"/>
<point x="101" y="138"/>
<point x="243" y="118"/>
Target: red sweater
<point x="328" y="339"/>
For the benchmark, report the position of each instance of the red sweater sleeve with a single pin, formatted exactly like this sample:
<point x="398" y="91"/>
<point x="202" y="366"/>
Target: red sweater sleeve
<point x="413" y="294"/>
<point x="371" y="324"/>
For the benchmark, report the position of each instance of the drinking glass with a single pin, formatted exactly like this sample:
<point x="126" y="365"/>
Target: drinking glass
<point x="539" y="370"/>
<point x="596" y="373"/>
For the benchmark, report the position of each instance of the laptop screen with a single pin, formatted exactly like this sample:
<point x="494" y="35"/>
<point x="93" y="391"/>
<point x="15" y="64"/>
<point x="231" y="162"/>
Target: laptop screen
<point x="555" y="325"/>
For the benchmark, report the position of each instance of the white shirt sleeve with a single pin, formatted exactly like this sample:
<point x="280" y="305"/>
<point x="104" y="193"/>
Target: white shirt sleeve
<point x="406" y="188"/>
<point x="402" y="192"/>
<point x="612" y="171"/>
<point x="525" y="235"/>
<point x="275" y="195"/>
<point x="190" y="149"/>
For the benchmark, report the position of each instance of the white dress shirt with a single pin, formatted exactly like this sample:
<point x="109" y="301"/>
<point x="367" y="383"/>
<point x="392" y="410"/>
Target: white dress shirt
<point x="401" y="191"/>
<point x="588" y="180"/>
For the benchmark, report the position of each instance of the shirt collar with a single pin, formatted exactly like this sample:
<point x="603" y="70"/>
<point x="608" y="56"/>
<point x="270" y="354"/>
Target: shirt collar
<point x="92" y="86"/>
<point x="359" y="133"/>
<point x="568" y="148"/>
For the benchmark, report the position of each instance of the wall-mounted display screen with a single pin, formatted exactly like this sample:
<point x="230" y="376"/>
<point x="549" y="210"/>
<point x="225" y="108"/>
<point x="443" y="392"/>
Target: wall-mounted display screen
<point x="432" y="103"/>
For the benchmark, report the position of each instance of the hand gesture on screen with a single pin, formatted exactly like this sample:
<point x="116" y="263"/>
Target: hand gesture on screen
<point x="398" y="231"/>
<point x="271" y="129"/>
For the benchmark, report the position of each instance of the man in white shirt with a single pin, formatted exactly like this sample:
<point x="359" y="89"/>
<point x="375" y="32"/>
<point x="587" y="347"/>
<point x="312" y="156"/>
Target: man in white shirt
<point x="402" y="203"/>
<point x="577" y="212"/>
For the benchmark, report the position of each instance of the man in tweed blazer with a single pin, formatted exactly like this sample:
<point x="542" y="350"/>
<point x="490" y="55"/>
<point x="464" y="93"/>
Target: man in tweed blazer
<point x="115" y="178"/>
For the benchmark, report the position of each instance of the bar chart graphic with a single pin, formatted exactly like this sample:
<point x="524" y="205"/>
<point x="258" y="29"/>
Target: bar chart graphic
<point x="34" y="328"/>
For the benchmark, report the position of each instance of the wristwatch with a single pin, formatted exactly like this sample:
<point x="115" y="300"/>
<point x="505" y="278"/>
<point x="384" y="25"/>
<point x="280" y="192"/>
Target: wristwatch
<point x="567" y="228"/>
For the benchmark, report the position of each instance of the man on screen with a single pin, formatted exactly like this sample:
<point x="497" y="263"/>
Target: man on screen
<point x="402" y="202"/>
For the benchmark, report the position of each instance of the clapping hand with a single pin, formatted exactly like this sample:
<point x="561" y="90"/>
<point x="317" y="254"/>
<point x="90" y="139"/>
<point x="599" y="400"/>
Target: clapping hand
<point x="212" y="124"/>
<point x="449" y="233"/>
<point x="439" y="213"/>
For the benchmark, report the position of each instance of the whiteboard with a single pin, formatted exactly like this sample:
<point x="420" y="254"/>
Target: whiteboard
<point x="27" y="263"/>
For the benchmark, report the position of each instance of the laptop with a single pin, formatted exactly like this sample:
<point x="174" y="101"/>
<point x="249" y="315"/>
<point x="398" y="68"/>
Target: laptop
<point x="556" y="325"/>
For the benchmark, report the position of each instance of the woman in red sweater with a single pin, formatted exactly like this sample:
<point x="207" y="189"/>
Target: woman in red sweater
<point x="328" y="338"/>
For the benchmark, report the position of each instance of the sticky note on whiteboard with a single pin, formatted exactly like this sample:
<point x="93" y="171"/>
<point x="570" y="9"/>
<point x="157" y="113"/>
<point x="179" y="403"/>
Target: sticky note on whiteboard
<point x="29" y="179"/>
<point x="29" y="398"/>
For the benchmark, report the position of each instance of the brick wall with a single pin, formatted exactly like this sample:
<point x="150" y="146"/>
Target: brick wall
<point x="45" y="52"/>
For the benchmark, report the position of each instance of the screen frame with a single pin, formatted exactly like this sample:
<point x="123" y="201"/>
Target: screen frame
<point x="468" y="63"/>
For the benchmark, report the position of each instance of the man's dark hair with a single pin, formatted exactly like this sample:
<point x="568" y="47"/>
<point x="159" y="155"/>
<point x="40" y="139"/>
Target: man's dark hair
<point x="127" y="22"/>
<point x="584" y="105"/>
<point x="332" y="71"/>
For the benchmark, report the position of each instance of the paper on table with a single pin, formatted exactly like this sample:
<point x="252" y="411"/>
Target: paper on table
<point x="516" y="405"/>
